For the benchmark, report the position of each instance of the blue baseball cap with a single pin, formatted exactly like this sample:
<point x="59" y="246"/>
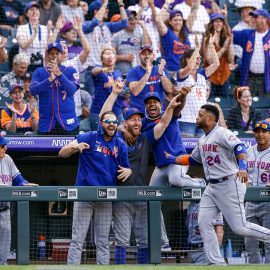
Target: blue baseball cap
<point x="55" y="45"/>
<point x="31" y="4"/>
<point x="149" y="95"/>
<point x="15" y="85"/>
<point x="263" y="125"/>
<point x="174" y="13"/>
<point x="260" y="12"/>
<point x="3" y="141"/>
<point x="215" y="16"/>
<point x="95" y="5"/>
<point x="132" y="111"/>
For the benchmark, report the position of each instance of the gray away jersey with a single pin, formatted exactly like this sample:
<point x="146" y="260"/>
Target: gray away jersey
<point x="216" y="152"/>
<point x="258" y="165"/>
<point x="8" y="171"/>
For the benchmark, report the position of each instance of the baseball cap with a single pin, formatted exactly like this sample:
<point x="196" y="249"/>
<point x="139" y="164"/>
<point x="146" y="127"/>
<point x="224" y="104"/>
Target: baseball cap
<point x="263" y="125"/>
<point x="95" y="5"/>
<point x="67" y="26"/>
<point x="260" y="12"/>
<point x="27" y="76"/>
<point x="129" y="12"/>
<point x="31" y="4"/>
<point x="215" y="16"/>
<point x="3" y="140"/>
<point x="132" y="111"/>
<point x="146" y="47"/>
<point x="149" y="95"/>
<point x="248" y="3"/>
<point x="13" y="86"/>
<point x="175" y="12"/>
<point x="55" y="45"/>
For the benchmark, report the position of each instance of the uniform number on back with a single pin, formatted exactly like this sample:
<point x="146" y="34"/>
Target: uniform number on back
<point x="213" y="160"/>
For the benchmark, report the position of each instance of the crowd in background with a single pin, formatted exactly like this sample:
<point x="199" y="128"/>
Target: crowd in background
<point x="102" y="41"/>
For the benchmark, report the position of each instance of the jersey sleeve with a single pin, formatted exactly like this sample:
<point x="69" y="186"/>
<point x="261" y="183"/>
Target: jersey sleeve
<point x="117" y="26"/>
<point x="123" y="154"/>
<point x="5" y="118"/>
<point x="12" y="167"/>
<point x="196" y="154"/>
<point x="132" y="76"/>
<point x="228" y="139"/>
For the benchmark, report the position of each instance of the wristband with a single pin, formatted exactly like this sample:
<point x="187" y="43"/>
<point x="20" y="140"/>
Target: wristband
<point x="242" y="163"/>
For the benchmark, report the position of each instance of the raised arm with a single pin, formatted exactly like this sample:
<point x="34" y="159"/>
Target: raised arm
<point x="77" y="25"/>
<point x="166" y="117"/>
<point x="116" y="91"/>
<point x="72" y="148"/>
<point x="193" y="14"/>
<point x="101" y="12"/>
<point x="157" y="17"/>
<point x="166" y="83"/>
<point x="123" y="12"/>
<point x="215" y="60"/>
<point x="3" y="51"/>
<point x="164" y="10"/>
<point x="146" y="40"/>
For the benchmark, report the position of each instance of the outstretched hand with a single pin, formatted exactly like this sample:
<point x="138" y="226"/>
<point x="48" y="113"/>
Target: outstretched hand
<point x="124" y="173"/>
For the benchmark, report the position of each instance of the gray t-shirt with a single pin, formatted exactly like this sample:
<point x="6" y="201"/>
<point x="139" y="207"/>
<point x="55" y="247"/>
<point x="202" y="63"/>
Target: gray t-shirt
<point x="126" y="42"/>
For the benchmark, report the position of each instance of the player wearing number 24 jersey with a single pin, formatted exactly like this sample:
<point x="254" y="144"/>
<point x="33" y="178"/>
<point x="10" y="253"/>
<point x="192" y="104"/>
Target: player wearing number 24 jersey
<point x="224" y="159"/>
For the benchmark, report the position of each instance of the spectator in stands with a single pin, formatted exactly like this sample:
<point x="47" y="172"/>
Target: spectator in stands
<point x="18" y="117"/>
<point x="69" y="34"/>
<point x="144" y="13"/>
<point x="224" y="48"/>
<point x="72" y="10"/>
<point x="86" y="102"/>
<point x="103" y="162"/>
<point x="243" y="116"/>
<point x="99" y="34"/>
<point x="255" y="68"/>
<point x="19" y="67"/>
<point x="174" y="37"/>
<point x="84" y="7"/>
<point x="128" y="42"/>
<point x="244" y="8"/>
<point x="9" y="176"/>
<point x="196" y="18"/>
<point x="33" y="37"/>
<point x="104" y="77"/>
<point x="147" y="78"/>
<point x="56" y="85"/>
<point x="49" y="11"/>
<point x="191" y="75"/>
<point x="28" y="98"/>
<point x="11" y="14"/>
<point x="3" y="51"/>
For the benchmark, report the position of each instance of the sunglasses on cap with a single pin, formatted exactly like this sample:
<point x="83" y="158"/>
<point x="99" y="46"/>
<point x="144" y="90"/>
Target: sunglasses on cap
<point x="261" y="125"/>
<point x="110" y="121"/>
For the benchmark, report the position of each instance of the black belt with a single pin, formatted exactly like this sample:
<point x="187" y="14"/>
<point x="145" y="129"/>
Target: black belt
<point x="4" y="209"/>
<point x="196" y="246"/>
<point x="256" y="75"/>
<point x="216" y="181"/>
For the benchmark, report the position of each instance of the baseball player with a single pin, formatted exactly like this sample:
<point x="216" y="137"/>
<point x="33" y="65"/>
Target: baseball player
<point x="56" y="85"/>
<point x="134" y="214"/>
<point x="224" y="160"/>
<point x="258" y="167"/>
<point x="103" y="161"/>
<point x="9" y="176"/>
<point x="195" y="240"/>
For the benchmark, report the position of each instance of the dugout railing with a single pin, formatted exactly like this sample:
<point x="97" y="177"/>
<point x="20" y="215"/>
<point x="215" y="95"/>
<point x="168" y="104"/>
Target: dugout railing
<point x="154" y="196"/>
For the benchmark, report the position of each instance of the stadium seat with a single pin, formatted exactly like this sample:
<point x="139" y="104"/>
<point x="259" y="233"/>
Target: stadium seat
<point x="261" y="102"/>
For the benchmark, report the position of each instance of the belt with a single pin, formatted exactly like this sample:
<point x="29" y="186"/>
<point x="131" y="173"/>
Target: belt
<point x="4" y="209"/>
<point x="216" y="181"/>
<point x="196" y="246"/>
<point x="256" y="75"/>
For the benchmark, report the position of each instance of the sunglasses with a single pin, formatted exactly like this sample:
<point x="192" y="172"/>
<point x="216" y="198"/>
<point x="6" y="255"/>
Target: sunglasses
<point x="261" y="125"/>
<point x="110" y="121"/>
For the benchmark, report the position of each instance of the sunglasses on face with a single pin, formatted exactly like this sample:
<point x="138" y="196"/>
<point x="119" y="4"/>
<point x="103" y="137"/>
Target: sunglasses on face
<point x="261" y="125"/>
<point x="110" y="121"/>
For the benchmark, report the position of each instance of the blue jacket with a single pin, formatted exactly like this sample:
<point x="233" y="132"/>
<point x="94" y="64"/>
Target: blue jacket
<point x="246" y="39"/>
<point x="56" y="101"/>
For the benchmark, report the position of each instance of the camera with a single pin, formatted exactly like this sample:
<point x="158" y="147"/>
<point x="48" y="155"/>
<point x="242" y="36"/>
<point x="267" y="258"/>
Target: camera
<point x="36" y="61"/>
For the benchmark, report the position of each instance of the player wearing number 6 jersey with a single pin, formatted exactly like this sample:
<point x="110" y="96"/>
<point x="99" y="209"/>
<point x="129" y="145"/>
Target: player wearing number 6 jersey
<point x="258" y="166"/>
<point x="223" y="157"/>
<point x="56" y="85"/>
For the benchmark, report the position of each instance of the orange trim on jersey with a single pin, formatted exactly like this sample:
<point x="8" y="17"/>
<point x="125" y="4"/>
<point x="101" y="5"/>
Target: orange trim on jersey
<point x="50" y="127"/>
<point x="183" y="160"/>
<point x="5" y="118"/>
<point x="58" y="107"/>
